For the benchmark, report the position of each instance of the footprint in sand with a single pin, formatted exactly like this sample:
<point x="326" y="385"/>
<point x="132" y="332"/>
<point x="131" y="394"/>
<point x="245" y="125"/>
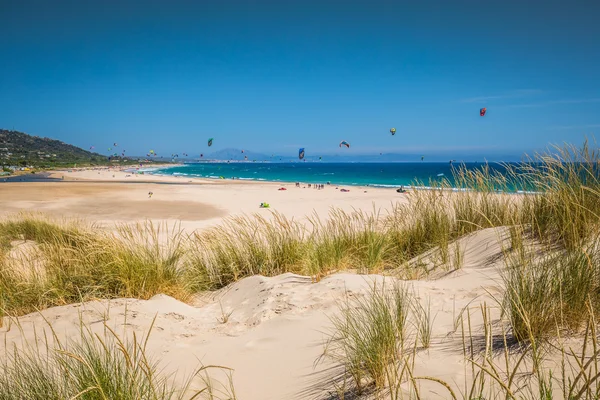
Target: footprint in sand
<point x="175" y="316"/>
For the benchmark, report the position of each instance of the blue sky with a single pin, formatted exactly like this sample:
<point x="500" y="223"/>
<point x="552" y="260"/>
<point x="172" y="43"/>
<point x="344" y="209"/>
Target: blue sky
<point x="272" y="76"/>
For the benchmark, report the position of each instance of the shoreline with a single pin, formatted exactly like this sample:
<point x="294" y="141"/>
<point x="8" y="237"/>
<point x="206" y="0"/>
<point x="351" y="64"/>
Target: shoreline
<point x="330" y="183"/>
<point x="149" y="175"/>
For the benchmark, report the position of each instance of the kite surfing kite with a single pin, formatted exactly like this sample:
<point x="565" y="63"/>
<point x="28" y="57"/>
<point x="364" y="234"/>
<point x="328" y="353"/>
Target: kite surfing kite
<point x="393" y="131"/>
<point x="301" y="153"/>
<point x="210" y="142"/>
<point x="344" y="143"/>
<point x="482" y="111"/>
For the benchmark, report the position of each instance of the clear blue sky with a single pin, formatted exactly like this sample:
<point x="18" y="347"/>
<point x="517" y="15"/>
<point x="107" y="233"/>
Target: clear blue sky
<point x="271" y="76"/>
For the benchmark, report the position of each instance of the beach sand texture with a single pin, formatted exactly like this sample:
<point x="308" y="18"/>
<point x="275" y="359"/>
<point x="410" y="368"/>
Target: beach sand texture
<point x="277" y="326"/>
<point x="197" y="203"/>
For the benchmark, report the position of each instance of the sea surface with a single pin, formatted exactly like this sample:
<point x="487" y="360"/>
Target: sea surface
<point x="357" y="174"/>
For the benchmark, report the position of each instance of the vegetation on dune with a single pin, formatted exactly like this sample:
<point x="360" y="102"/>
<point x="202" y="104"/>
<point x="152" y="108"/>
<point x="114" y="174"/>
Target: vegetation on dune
<point x="552" y="282"/>
<point x="75" y="262"/>
<point x="377" y="338"/>
<point x="375" y="334"/>
<point x="96" y="366"/>
<point x="80" y="262"/>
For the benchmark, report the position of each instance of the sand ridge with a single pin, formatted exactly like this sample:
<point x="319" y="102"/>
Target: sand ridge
<point x="276" y="327"/>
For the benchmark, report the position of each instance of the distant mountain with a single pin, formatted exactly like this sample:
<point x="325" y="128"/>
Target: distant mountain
<point x="21" y="149"/>
<point x="236" y="154"/>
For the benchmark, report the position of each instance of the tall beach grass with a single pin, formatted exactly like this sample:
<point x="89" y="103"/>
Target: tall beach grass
<point x="100" y="366"/>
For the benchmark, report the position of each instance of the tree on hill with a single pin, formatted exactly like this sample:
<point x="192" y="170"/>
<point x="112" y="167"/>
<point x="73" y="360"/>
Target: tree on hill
<point x="17" y="148"/>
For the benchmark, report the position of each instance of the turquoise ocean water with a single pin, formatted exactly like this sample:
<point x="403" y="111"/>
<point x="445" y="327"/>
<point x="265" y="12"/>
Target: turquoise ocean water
<point x="359" y="174"/>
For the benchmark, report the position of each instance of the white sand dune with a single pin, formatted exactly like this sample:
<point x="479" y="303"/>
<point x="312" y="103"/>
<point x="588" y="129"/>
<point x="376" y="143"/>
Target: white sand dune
<point x="276" y="327"/>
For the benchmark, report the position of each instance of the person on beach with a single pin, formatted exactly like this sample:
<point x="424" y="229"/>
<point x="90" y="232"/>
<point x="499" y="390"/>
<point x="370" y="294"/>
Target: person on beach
<point x="150" y="195"/>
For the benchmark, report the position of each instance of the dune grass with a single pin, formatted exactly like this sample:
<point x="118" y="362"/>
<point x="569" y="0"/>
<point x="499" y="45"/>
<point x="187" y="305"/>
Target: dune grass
<point x="551" y="283"/>
<point x="555" y="289"/>
<point x="245" y="246"/>
<point x="376" y="337"/>
<point x="368" y="335"/>
<point x="79" y="261"/>
<point x="75" y="262"/>
<point x="568" y="211"/>
<point x="378" y="363"/>
<point x="98" y="366"/>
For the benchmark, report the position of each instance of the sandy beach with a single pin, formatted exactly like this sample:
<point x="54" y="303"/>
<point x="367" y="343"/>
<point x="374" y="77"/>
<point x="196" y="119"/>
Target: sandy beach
<point x="196" y="203"/>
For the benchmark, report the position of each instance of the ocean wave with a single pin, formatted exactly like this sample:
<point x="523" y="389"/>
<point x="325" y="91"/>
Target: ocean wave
<point x="150" y="169"/>
<point x="254" y="179"/>
<point x="377" y="185"/>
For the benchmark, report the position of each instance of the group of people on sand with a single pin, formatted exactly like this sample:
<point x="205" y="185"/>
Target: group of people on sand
<point x="312" y="185"/>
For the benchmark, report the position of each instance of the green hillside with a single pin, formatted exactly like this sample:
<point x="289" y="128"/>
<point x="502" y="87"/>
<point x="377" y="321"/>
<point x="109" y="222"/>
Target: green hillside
<point x="21" y="149"/>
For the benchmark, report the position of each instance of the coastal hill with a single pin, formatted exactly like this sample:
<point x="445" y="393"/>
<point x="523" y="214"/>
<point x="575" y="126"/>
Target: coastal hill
<point x="21" y="149"/>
